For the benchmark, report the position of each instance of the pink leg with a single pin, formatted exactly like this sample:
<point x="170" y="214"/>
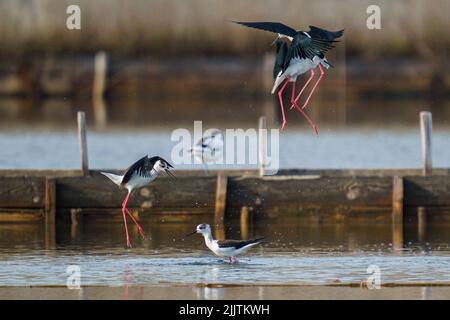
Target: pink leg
<point x="124" y="207"/>
<point x="280" y="98"/>
<point x="304" y="87"/>
<point x="294" y="103"/>
<point x="137" y="224"/>
<point x="314" y="88"/>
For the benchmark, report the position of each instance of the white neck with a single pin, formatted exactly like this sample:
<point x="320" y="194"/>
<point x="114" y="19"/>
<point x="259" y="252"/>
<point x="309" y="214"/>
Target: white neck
<point x="208" y="237"/>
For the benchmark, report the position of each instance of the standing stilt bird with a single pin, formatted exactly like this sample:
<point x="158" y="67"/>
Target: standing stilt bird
<point x="306" y="52"/>
<point x="224" y="248"/>
<point x="138" y="175"/>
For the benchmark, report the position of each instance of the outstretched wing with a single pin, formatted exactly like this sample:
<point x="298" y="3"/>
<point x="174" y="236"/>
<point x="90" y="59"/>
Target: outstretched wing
<point x="143" y="168"/>
<point x="275" y="27"/>
<point x="323" y="34"/>
<point x="307" y="45"/>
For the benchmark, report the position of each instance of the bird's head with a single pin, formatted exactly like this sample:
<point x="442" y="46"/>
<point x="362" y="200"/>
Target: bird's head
<point x="162" y="165"/>
<point x="279" y="39"/>
<point x="201" y="228"/>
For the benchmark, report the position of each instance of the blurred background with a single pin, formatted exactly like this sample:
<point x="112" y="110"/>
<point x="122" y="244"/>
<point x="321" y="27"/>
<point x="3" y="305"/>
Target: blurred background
<point x="158" y="65"/>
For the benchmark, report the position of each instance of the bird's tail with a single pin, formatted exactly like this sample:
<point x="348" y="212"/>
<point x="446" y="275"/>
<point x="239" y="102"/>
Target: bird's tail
<point x="113" y="177"/>
<point x="258" y="240"/>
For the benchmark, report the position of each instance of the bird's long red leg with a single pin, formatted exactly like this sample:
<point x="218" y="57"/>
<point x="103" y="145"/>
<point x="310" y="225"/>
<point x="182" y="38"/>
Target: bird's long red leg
<point x="294" y="103"/>
<point x="314" y="88"/>
<point x="280" y="98"/>
<point x="137" y="224"/>
<point x="124" y="208"/>
<point x="304" y="87"/>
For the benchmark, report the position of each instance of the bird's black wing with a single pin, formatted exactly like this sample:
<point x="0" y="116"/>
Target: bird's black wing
<point x="142" y="167"/>
<point x="275" y="27"/>
<point x="307" y="47"/>
<point x="282" y="50"/>
<point x="237" y="243"/>
<point x="318" y="33"/>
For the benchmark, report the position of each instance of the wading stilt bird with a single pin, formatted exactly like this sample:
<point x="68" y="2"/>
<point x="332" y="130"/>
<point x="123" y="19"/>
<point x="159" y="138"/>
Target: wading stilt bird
<point x="224" y="248"/>
<point x="209" y="148"/>
<point x="138" y="175"/>
<point x="306" y="52"/>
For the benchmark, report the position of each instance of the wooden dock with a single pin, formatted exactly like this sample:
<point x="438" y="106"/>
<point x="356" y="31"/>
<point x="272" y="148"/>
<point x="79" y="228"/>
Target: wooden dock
<point x="66" y="196"/>
<point x="33" y="194"/>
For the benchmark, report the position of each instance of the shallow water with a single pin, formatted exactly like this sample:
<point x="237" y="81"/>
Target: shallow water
<point x="360" y="133"/>
<point x="293" y="254"/>
<point x="369" y="148"/>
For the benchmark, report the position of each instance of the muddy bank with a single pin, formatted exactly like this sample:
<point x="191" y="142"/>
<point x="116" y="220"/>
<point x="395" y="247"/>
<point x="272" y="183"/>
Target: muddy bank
<point x="237" y="293"/>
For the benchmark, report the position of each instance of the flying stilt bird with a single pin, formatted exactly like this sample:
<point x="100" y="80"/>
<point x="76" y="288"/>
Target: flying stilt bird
<point x="209" y="148"/>
<point x="306" y="52"/>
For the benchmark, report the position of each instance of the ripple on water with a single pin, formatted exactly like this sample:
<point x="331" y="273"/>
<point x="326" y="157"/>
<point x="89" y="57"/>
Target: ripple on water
<point x="121" y="268"/>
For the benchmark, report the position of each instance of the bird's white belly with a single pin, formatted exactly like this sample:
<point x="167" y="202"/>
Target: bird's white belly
<point x="139" y="182"/>
<point x="299" y="66"/>
<point x="227" y="251"/>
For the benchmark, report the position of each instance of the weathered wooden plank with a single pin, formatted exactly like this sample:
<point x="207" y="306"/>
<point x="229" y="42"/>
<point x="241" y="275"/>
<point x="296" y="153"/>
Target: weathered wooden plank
<point x="198" y="192"/>
<point x="310" y="191"/>
<point x="427" y="191"/>
<point x="21" y="215"/>
<point x="96" y="191"/>
<point x="22" y="192"/>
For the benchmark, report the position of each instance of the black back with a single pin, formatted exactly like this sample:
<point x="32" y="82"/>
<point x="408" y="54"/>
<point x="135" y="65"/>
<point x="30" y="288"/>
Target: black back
<point x="237" y="243"/>
<point x="143" y="168"/>
<point x="317" y="43"/>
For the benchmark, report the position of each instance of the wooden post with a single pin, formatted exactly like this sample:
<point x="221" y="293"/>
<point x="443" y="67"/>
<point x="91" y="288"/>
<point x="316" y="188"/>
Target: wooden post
<point x="262" y="144"/>
<point x="244" y="223"/>
<point x="220" y="206"/>
<point x="50" y="212"/>
<point x="221" y="197"/>
<point x="397" y="196"/>
<point x="397" y="212"/>
<point x="99" y="88"/>
<point x="421" y="224"/>
<point x="426" y="124"/>
<point x="83" y="143"/>
<point x="100" y="69"/>
<point x="76" y="218"/>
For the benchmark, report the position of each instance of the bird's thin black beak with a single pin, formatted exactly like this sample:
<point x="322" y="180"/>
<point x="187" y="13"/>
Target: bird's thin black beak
<point x="170" y="174"/>
<point x="190" y="234"/>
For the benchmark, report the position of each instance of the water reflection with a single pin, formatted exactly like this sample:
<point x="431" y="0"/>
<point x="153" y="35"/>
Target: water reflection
<point x="240" y="111"/>
<point x="296" y="252"/>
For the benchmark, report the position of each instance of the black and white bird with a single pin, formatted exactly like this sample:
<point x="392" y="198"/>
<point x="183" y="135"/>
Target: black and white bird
<point x="225" y="248"/>
<point x="305" y="53"/>
<point x="138" y="175"/>
<point x="209" y="148"/>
